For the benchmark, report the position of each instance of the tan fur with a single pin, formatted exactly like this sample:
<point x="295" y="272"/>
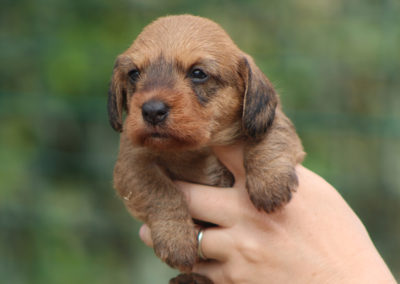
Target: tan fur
<point x="236" y="102"/>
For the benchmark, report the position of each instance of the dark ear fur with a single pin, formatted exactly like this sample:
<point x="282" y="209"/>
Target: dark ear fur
<point x="117" y="101"/>
<point x="259" y="102"/>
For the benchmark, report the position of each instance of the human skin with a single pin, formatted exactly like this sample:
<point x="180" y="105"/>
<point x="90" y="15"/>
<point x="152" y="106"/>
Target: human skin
<point x="315" y="238"/>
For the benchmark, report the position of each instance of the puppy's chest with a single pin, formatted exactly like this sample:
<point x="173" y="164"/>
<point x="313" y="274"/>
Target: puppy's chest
<point x="201" y="167"/>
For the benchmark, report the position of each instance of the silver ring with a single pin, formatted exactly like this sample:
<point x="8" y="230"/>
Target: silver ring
<point x="199" y="250"/>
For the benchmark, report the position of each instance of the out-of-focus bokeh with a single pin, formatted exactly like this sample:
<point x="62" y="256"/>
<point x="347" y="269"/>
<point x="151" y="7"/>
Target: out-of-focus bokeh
<point x="336" y="65"/>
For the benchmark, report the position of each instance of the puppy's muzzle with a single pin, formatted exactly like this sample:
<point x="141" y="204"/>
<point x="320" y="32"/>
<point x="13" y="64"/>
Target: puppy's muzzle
<point x="155" y="112"/>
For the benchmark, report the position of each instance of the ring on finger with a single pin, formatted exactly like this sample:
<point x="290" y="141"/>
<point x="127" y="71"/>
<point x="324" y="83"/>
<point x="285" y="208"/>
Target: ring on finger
<point x="199" y="249"/>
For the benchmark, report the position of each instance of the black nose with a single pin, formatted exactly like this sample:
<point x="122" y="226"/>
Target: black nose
<point x="154" y="112"/>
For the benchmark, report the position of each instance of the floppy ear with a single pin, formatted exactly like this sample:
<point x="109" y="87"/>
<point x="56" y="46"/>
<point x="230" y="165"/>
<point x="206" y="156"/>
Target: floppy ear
<point x="117" y="97"/>
<point x="259" y="102"/>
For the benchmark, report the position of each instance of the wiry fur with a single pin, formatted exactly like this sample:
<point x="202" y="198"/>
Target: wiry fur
<point x="237" y="102"/>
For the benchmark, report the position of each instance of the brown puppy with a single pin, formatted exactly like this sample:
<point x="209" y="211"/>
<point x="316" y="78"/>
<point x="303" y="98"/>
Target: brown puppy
<point x="185" y="87"/>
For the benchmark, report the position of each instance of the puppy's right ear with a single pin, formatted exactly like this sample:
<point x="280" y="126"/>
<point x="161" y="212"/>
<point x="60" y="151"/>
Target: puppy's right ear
<point x="117" y="101"/>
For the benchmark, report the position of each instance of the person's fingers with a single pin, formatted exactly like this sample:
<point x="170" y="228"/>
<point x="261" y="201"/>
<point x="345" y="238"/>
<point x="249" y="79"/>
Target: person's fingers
<point x="232" y="157"/>
<point x="215" y="244"/>
<point x="214" y="205"/>
<point x="145" y="235"/>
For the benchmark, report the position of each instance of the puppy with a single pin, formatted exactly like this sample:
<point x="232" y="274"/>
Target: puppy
<point x="185" y="87"/>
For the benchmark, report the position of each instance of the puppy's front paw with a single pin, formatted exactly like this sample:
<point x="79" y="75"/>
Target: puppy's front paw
<point x="191" y="278"/>
<point x="176" y="244"/>
<point x="274" y="189"/>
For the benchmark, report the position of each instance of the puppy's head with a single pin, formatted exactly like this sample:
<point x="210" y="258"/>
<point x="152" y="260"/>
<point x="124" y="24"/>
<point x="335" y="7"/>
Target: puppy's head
<point x="185" y="84"/>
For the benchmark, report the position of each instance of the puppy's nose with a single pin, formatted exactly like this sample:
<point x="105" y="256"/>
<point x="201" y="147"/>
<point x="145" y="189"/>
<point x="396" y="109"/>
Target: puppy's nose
<point x="154" y="112"/>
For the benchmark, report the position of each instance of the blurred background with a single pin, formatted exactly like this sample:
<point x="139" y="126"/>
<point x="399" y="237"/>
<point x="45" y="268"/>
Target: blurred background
<point x="336" y="65"/>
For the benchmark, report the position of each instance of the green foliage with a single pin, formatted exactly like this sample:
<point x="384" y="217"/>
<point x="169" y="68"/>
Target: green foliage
<point x="335" y="64"/>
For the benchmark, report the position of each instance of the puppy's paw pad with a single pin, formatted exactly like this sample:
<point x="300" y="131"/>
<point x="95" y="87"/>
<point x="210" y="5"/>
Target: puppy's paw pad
<point x="269" y="204"/>
<point x="191" y="278"/>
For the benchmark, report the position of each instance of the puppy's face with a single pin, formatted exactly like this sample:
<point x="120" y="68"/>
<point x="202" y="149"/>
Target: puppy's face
<point x="184" y="84"/>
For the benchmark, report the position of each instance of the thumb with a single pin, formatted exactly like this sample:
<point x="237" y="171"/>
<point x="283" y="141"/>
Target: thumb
<point x="232" y="157"/>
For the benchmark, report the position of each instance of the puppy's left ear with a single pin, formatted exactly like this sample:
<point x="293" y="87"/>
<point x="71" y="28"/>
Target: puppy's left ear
<point x="259" y="101"/>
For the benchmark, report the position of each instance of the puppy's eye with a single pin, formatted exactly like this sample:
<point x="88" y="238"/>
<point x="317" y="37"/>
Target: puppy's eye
<point x="134" y="75"/>
<point x="198" y="76"/>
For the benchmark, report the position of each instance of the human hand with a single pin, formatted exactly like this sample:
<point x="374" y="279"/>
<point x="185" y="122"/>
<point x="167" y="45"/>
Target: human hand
<point x="316" y="238"/>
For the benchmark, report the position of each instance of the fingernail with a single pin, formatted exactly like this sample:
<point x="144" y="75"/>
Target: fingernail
<point x="143" y="232"/>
